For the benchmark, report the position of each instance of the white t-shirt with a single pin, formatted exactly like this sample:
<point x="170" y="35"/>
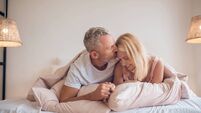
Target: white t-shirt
<point x="82" y="72"/>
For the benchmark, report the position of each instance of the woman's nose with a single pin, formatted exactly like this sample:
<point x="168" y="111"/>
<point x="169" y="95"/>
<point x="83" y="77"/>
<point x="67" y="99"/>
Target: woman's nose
<point x="123" y="63"/>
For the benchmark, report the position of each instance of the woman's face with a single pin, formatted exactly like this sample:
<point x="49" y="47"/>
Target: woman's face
<point x="124" y="59"/>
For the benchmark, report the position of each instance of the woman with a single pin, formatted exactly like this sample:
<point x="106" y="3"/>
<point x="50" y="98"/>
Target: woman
<point x="135" y="64"/>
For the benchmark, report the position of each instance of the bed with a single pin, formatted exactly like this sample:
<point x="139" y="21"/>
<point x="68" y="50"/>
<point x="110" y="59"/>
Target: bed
<point x="171" y="96"/>
<point x="192" y="105"/>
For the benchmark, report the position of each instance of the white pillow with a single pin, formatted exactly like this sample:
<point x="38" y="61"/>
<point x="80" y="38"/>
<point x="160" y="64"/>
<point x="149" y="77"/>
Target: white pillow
<point x="43" y="96"/>
<point x="38" y="83"/>
<point x="142" y="94"/>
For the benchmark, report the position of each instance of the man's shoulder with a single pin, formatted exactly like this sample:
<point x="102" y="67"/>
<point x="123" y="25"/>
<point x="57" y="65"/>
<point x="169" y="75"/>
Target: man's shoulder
<point x="82" y="59"/>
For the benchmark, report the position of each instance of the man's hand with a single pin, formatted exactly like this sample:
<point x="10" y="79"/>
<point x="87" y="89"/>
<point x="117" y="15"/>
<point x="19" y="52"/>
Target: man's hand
<point x="103" y="91"/>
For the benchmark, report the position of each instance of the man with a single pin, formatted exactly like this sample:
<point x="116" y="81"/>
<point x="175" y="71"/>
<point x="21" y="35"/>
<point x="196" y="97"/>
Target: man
<point x="94" y="66"/>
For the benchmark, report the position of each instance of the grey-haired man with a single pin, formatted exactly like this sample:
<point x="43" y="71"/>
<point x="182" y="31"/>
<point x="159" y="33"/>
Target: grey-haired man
<point x="96" y="65"/>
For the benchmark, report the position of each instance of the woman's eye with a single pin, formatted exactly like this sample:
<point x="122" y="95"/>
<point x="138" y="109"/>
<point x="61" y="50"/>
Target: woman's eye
<point x="125" y="58"/>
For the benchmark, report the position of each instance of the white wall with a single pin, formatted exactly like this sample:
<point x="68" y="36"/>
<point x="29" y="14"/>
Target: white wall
<point x="52" y="32"/>
<point x="197" y="48"/>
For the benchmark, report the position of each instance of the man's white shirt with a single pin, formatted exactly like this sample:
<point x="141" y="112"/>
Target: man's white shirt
<point x="82" y="72"/>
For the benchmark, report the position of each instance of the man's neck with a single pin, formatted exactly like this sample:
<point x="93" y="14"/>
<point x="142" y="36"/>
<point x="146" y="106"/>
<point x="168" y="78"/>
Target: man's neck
<point x="98" y="65"/>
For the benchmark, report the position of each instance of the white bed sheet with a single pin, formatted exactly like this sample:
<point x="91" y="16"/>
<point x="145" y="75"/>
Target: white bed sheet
<point x="192" y="105"/>
<point x="20" y="106"/>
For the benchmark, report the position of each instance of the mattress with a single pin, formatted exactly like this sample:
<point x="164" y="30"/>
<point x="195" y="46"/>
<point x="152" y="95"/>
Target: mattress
<point x="192" y="105"/>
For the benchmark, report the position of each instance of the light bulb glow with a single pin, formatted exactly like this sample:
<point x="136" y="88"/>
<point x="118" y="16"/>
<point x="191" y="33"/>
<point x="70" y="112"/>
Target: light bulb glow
<point x="5" y="30"/>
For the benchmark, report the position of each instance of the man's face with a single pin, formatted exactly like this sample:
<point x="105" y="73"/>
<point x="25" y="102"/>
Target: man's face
<point x="107" y="50"/>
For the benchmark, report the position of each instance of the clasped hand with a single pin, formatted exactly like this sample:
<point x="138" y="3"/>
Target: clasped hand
<point x="103" y="91"/>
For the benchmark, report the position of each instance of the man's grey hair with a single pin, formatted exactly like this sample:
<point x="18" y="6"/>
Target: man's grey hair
<point x="91" y="38"/>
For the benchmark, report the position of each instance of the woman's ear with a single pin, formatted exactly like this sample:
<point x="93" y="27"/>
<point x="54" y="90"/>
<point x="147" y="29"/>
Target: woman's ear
<point x="94" y="54"/>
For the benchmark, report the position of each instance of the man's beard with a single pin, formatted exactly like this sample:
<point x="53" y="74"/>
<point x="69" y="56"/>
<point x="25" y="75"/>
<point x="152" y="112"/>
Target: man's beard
<point x="106" y="60"/>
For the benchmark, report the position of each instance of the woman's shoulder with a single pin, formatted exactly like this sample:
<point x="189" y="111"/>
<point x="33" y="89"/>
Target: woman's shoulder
<point x="153" y="58"/>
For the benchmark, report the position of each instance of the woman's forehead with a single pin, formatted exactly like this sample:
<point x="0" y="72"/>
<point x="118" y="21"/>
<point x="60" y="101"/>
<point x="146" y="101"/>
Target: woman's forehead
<point x="121" y="52"/>
<point x="121" y="49"/>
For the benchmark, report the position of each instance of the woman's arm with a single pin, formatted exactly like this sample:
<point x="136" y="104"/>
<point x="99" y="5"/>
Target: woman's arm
<point x="158" y="72"/>
<point x="118" y="78"/>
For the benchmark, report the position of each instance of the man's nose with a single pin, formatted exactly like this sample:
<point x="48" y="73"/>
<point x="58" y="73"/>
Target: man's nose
<point x="114" y="48"/>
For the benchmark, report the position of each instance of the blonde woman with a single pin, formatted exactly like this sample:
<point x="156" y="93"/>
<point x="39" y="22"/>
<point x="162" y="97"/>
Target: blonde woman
<point x="135" y="64"/>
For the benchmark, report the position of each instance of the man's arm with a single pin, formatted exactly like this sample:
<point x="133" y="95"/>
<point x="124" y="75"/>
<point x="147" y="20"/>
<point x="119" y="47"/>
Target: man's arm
<point x="103" y="91"/>
<point x="68" y="93"/>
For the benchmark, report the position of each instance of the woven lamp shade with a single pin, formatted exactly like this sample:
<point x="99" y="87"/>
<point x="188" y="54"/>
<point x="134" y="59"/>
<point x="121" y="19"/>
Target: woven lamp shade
<point x="194" y="34"/>
<point x="9" y="34"/>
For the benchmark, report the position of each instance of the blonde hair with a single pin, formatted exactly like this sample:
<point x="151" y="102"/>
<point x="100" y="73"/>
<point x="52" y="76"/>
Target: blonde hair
<point x="136" y="53"/>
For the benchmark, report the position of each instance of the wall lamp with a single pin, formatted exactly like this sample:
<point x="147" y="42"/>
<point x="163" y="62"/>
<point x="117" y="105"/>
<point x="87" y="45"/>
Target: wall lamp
<point x="194" y="34"/>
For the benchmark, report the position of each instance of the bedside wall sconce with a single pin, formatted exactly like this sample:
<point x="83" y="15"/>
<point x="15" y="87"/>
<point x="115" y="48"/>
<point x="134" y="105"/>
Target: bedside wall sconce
<point x="194" y="34"/>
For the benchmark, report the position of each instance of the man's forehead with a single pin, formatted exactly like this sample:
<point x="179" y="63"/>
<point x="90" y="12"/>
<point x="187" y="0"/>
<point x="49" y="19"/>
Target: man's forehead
<point x="107" y="39"/>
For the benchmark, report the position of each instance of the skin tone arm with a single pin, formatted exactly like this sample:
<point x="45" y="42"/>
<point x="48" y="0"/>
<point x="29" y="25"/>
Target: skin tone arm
<point x="102" y="92"/>
<point x="158" y="73"/>
<point x="162" y="72"/>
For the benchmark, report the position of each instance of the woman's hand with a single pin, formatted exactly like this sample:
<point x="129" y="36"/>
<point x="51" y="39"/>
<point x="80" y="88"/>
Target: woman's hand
<point x="131" y="68"/>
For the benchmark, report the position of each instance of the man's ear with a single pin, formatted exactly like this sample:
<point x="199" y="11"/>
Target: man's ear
<point x="94" y="54"/>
